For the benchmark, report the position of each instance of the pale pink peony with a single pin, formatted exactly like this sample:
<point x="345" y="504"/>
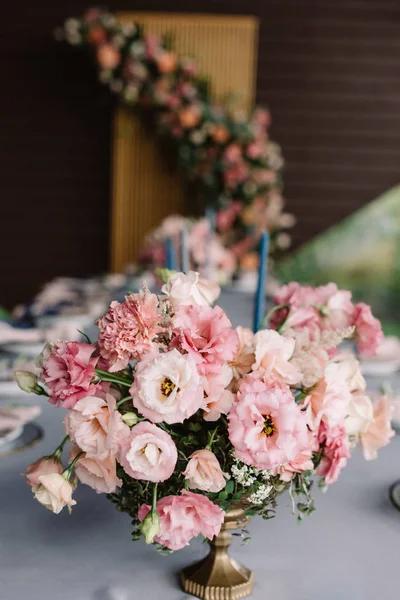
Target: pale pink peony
<point x="266" y="426"/>
<point x="148" y="453"/>
<point x="54" y="492"/>
<point x="207" y="335"/>
<point x="183" y="290"/>
<point x="329" y="399"/>
<point x="203" y="472"/>
<point x="68" y="370"/>
<point x="96" y="426"/>
<point x="167" y="387"/>
<point x="244" y="358"/>
<point x="273" y="353"/>
<point x="128" y="329"/>
<point x="185" y="517"/>
<point x="100" y="475"/>
<point x="360" y="414"/>
<point x="379" y="432"/>
<point x="336" y="451"/>
<point x="43" y="466"/>
<point x="369" y="335"/>
<point x="217" y="399"/>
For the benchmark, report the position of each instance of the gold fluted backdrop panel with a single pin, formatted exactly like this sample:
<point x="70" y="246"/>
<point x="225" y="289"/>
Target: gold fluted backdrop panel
<point x="146" y="188"/>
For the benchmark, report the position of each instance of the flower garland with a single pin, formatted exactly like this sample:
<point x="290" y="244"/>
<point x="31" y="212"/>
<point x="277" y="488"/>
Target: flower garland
<point x="178" y="417"/>
<point x="229" y="154"/>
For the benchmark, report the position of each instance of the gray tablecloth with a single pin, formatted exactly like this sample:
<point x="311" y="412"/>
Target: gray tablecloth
<point x="348" y="550"/>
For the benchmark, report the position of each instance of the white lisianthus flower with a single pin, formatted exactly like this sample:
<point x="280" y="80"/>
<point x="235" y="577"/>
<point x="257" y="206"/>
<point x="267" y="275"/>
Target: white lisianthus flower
<point x="55" y="492"/>
<point x="167" y="387"/>
<point x="184" y="290"/>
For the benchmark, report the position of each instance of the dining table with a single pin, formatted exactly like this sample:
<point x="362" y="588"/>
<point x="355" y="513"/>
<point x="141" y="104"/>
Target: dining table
<point x="348" y="549"/>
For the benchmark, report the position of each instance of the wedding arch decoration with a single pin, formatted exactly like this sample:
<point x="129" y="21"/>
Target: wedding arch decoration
<point x="228" y="154"/>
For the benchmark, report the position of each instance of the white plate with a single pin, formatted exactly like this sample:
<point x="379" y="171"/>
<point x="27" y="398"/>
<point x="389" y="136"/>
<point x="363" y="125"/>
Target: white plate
<point x="10" y="435"/>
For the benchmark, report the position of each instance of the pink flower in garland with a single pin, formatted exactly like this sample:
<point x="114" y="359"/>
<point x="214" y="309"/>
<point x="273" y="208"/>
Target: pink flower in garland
<point x="207" y="335"/>
<point x="68" y="371"/>
<point x="369" y="333"/>
<point x="336" y="452"/>
<point x="266" y="426"/>
<point x="128" y="329"/>
<point x="185" y="517"/>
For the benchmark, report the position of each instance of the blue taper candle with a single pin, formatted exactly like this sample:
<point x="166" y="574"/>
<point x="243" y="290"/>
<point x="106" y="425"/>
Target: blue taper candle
<point x="185" y="263"/>
<point x="170" y="255"/>
<point x="259" y="304"/>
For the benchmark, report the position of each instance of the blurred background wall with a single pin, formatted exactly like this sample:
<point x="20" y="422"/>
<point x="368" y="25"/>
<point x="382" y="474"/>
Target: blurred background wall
<point x="328" y="69"/>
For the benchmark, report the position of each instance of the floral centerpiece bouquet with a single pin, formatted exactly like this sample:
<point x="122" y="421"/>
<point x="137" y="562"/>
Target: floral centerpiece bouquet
<point x="179" y="418"/>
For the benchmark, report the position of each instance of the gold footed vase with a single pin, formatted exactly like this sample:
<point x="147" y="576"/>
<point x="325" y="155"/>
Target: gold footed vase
<point x="218" y="576"/>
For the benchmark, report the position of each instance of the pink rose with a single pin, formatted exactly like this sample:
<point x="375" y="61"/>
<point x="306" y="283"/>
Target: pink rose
<point x="336" y="450"/>
<point x="96" y="426"/>
<point x="184" y="517"/>
<point x="43" y="466"/>
<point x="100" y="475"/>
<point x="369" y="333"/>
<point x="217" y="399"/>
<point x="266" y="426"/>
<point x="204" y="472"/>
<point x="273" y="353"/>
<point x="68" y="370"/>
<point x="54" y="492"/>
<point x="148" y="453"/>
<point x="329" y="399"/>
<point x="167" y="387"/>
<point x="183" y="290"/>
<point x="207" y="335"/>
<point x="244" y="359"/>
<point x="379" y="432"/>
<point x="127" y="330"/>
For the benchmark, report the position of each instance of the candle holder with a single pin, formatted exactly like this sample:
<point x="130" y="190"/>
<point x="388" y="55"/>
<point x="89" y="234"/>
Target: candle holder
<point x="218" y="576"/>
<point x="394" y="494"/>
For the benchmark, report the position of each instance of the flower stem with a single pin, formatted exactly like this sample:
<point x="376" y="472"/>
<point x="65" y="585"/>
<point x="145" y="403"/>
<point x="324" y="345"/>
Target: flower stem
<point x="154" y="503"/>
<point x="112" y="378"/>
<point x="212" y="436"/>
<point x="122" y="401"/>
<point x="269" y="314"/>
<point x="58" y="451"/>
<point x="69" y="469"/>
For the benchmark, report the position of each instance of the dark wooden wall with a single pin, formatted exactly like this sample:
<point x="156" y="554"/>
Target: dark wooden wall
<point x="329" y="70"/>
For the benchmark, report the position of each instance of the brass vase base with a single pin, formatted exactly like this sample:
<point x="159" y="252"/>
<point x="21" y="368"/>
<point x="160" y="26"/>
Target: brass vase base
<point x="218" y="576"/>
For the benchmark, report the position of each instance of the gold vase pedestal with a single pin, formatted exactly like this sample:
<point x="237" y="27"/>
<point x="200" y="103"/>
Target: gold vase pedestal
<point x="218" y="576"/>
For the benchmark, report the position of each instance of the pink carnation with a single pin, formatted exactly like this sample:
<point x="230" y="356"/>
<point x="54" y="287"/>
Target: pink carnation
<point x="127" y="330"/>
<point x="266" y="426"/>
<point x="336" y="450"/>
<point x="148" y="453"/>
<point x="369" y="333"/>
<point x="68" y="370"/>
<point x="207" y="335"/>
<point x="302" y="462"/>
<point x="184" y="517"/>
